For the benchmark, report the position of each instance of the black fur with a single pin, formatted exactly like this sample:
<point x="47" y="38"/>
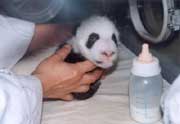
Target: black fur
<point x="93" y="37"/>
<point x="115" y="39"/>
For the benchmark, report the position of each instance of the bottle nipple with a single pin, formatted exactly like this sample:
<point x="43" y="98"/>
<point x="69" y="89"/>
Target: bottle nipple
<point x="145" y="56"/>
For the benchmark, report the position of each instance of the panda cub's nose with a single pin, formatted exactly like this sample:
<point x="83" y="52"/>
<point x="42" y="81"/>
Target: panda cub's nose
<point x="108" y="53"/>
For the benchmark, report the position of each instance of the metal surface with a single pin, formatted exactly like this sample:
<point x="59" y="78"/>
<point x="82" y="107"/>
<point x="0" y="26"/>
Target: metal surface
<point x="140" y="28"/>
<point x="175" y="20"/>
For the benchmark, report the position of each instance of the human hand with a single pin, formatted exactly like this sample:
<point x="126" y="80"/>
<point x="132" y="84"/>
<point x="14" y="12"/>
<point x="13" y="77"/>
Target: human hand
<point x="59" y="79"/>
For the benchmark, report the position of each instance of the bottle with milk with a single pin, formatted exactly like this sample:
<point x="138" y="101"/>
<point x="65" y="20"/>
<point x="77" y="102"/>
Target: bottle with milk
<point x="145" y="88"/>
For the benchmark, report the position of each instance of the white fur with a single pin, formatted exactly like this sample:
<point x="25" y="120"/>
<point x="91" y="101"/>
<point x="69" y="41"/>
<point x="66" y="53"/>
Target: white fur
<point x="104" y="28"/>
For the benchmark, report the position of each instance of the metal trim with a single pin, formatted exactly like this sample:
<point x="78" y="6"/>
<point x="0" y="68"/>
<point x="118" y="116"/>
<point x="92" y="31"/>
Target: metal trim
<point x="138" y="25"/>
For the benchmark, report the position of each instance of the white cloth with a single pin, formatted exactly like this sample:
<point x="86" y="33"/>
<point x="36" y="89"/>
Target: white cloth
<point x="20" y="96"/>
<point x="171" y="103"/>
<point x="20" y="99"/>
<point x="15" y="37"/>
<point x="109" y="105"/>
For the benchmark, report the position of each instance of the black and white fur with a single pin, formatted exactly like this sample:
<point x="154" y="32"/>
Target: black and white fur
<point x="96" y="39"/>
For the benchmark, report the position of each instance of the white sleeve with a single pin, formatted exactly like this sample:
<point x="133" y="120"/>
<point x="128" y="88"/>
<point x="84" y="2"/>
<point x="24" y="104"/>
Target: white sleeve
<point x="20" y="99"/>
<point x="15" y="36"/>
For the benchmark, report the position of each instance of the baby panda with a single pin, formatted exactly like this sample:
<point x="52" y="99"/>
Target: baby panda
<point x="96" y="39"/>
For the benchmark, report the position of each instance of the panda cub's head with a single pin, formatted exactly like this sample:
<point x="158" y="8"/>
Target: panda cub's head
<point x="96" y="39"/>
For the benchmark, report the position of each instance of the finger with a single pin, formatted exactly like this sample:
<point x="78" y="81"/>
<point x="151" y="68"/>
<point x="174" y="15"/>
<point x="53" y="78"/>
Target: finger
<point x="86" y="66"/>
<point x="68" y="97"/>
<point x="82" y="89"/>
<point x="64" y="96"/>
<point x="61" y="54"/>
<point x="68" y="84"/>
<point x="103" y="75"/>
<point x="91" y="77"/>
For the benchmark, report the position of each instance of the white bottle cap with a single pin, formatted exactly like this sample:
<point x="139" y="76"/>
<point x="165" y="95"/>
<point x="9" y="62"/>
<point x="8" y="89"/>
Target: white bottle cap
<point x="146" y="65"/>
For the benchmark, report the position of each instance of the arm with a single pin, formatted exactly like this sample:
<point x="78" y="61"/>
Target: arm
<point x="18" y="36"/>
<point x="22" y="95"/>
<point x="48" y="35"/>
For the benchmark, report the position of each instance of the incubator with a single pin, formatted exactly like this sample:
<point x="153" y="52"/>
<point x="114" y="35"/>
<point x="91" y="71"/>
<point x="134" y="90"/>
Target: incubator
<point x="154" y="21"/>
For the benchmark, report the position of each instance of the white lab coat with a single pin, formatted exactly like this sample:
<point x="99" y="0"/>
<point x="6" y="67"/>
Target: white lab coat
<point x="20" y="96"/>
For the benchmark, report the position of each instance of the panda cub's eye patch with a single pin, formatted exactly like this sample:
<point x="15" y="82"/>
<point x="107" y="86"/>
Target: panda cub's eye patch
<point x="114" y="39"/>
<point x="93" y="37"/>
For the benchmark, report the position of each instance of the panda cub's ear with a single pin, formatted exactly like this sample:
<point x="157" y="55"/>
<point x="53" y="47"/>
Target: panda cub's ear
<point x="114" y="38"/>
<point x="93" y="37"/>
<point x="76" y="26"/>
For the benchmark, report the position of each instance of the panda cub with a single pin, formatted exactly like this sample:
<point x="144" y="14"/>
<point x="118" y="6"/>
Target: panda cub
<point x="96" y="39"/>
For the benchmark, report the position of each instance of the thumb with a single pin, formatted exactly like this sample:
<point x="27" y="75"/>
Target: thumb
<point x="61" y="54"/>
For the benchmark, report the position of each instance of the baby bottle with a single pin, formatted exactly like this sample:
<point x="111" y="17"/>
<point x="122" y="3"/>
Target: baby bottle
<point x="145" y="88"/>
